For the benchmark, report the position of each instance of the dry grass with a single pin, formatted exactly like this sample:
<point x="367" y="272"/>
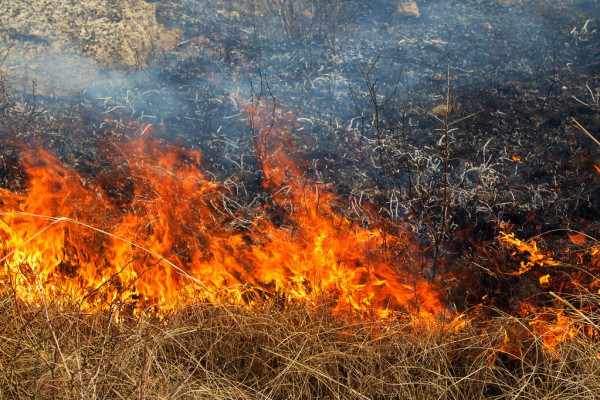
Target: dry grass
<point x="275" y="352"/>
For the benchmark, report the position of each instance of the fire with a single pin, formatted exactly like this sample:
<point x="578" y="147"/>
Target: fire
<point x="560" y="321"/>
<point x="152" y="231"/>
<point x="552" y="325"/>
<point x="173" y="236"/>
<point x="545" y="279"/>
<point x="531" y="252"/>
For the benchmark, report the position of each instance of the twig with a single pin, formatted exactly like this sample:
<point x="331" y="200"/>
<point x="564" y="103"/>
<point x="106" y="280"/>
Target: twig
<point x="442" y="230"/>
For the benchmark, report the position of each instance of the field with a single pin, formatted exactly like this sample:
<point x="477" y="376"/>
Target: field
<point x="276" y="199"/>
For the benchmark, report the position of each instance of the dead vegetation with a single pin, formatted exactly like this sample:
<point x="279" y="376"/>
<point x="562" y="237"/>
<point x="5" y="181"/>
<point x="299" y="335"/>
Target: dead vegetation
<point x="123" y="35"/>
<point x="228" y="351"/>
<point x="279" y="350"/>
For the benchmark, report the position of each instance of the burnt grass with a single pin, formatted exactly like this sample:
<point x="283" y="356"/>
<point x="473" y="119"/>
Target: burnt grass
<point x="520" y="72"/>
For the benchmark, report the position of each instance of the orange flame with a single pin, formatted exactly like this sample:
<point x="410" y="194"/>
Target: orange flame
<point x="545" y="279"/>
<point x="531" y="252"/>
<point x="553" y="325"/>
<point x="178" y="238"/>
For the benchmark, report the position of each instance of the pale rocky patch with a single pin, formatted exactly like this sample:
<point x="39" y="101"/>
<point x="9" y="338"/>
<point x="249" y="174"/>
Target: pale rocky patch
<point x="408" y="8"/>
<point x="116" y="33"/>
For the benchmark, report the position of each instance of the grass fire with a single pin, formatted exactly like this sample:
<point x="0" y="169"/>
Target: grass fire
<point x="276" y="199"/>
<point x="180" y="232"/>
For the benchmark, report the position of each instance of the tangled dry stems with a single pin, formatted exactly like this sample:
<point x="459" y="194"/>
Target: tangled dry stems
<point x="272" y="352"/>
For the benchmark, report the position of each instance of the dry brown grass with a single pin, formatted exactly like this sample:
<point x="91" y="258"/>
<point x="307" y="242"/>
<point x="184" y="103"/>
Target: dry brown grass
<point x="271" y="352"/>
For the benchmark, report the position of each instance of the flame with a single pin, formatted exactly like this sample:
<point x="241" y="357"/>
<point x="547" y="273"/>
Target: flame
<point x="545" y="279"/>
<point x="553" y="325"/>
<point x="177" y="236"/>
<point x="531" y="252"/>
